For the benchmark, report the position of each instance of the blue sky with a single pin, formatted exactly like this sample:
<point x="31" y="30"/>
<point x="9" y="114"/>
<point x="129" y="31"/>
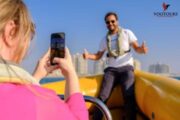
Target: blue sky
<point x="83" y="23"/>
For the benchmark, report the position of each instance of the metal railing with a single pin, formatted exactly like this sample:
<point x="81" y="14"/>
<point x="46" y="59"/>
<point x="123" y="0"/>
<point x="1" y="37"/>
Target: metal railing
<point x="98" y="103"/>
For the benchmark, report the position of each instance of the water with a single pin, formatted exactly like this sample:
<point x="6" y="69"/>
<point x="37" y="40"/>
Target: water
<point x="50" y="79"/>
<point x="177" y="78"/>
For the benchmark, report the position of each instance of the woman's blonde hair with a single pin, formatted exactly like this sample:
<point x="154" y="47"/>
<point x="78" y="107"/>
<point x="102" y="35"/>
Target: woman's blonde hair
<point x="17" y="11"/>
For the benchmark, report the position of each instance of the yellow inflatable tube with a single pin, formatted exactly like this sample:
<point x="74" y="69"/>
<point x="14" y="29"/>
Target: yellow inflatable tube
<point x="157" y="97"/>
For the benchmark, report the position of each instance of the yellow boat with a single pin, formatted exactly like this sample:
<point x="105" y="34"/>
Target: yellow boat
<point x="157" y="97"/>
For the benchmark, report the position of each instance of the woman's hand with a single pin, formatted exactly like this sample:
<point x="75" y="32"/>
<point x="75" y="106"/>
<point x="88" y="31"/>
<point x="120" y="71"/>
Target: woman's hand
<point x="67" y="69"/>
<point x="65" y="64"/>
<point x="43" y="67"/>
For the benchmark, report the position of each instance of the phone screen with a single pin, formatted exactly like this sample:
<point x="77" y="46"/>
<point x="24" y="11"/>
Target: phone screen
<point x="57" y="46"/>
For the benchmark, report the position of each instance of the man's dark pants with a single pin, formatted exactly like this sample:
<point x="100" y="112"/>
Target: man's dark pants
<point x="112" y="77"/>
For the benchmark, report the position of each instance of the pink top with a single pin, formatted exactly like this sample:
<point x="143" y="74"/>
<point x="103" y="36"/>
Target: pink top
<point x="22" y="102"/>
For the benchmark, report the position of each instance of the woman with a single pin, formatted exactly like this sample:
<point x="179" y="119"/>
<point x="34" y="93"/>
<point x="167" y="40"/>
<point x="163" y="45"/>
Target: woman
<point x="21" y="97"/>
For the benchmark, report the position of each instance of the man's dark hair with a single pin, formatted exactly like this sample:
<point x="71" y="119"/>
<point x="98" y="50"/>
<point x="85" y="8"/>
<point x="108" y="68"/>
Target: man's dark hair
<point x="111" y="13"/>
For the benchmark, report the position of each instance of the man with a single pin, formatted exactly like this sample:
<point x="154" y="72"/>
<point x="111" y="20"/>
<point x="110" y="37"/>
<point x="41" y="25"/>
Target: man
<point x="117" y="43"/>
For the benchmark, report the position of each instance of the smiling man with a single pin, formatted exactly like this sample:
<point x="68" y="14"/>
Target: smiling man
<point x="117" y="45"/>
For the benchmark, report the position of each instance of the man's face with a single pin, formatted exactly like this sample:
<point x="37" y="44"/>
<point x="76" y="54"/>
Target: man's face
<point x="111" y="23"/>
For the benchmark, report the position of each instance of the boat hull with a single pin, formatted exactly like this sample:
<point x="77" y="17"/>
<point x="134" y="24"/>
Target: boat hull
<point x="157" y="97"/>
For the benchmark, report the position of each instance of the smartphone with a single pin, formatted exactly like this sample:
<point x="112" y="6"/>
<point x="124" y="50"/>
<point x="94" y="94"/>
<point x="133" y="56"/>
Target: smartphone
<point x="57" y="46"/>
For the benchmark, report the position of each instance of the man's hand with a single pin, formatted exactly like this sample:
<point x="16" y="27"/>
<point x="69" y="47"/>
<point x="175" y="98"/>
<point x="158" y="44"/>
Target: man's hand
<point x="85" y="54"/>
<point x="144" y="48"/>
<point x="140" y="49"/>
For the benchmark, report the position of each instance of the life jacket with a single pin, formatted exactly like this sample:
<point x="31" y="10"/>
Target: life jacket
<point x="119" y="51"/>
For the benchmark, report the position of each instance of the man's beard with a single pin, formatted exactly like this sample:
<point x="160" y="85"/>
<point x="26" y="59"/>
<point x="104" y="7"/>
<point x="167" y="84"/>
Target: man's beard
<point x="112" y="30"/>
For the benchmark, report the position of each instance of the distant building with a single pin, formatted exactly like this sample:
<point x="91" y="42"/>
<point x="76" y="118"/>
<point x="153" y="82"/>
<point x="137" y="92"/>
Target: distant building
<point x="137" y="64"/>
<point x="159" y="68"/>
<point x="99" y="66"/>
<point x="56" y="73"/>
<point x="80" y="64"/>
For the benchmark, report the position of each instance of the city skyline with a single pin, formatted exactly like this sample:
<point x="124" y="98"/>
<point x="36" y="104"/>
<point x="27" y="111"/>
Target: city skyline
<point x="83" y="23"/>
<point x="85" y="68"/>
